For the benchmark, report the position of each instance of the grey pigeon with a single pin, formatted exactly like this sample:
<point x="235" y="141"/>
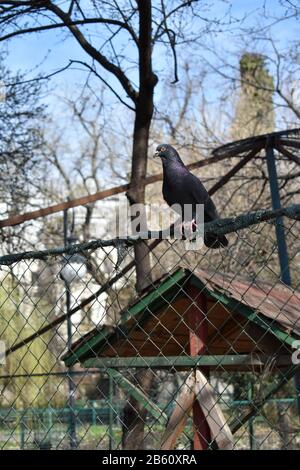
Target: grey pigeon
<point x="181" y="187"/>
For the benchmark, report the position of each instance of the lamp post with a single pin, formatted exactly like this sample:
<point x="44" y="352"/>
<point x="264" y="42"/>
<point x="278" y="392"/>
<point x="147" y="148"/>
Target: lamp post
<point x="69" y="273"/>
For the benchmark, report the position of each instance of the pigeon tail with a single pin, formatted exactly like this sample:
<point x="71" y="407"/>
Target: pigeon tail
<point x="215" y="241"/>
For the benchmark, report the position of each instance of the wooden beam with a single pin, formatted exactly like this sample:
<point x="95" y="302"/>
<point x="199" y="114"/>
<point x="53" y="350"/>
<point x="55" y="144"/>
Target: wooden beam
<point x="183" y="407"/>
<point x="219" y="429"/>
<point x="98" y="196"/>
<point x="197" y="324"/>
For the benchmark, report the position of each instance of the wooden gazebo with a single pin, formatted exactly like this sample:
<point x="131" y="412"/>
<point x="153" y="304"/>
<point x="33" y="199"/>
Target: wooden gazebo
<point x="199" y="321"/>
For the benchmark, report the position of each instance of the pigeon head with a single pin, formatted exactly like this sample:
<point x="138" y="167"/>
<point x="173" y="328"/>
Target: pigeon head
<point x="167" y="154"/>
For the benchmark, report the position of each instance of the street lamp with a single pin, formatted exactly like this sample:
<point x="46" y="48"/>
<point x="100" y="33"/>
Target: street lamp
<point x="74" y="266"/>
<point x="73" y="269"/>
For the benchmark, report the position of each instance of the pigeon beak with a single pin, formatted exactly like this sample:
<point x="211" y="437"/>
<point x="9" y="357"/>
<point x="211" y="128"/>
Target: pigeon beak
<point x="156" y="155"/>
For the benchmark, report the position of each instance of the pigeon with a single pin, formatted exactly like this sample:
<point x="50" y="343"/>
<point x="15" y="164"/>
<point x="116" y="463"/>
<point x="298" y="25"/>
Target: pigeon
<point x="181" y="187"/>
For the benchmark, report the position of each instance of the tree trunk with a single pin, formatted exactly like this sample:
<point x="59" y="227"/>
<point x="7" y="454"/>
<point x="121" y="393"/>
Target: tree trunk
<point x="143" y="117"/>
<point x="134" y="414"/>
<point x="136" y="194"/>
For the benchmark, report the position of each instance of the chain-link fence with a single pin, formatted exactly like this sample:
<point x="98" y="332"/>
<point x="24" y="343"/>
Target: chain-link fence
<point x="203" y="356"/>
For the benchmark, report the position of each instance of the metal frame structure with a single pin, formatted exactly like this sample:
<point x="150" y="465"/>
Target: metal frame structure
<point x="168" y="290"/>
<point x="282" y="142"/>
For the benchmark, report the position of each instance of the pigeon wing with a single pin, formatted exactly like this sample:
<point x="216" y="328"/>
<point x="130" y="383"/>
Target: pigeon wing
<point x="201" y="196"/>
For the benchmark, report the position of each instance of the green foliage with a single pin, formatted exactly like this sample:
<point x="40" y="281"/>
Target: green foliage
<point x="253" y="68"/>
<point x="255" y="109"/>
<point x="17" y="321"/>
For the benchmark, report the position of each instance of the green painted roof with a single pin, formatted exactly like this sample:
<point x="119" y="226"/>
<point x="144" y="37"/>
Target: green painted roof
<point x="274" y="309"/>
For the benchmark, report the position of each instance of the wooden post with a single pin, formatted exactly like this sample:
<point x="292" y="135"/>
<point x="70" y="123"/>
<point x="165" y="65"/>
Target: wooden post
<point x="197" y="325"/>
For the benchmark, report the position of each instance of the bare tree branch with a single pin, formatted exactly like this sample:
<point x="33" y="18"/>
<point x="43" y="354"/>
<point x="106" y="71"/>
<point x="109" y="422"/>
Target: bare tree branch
<point x="36" y="29"/>
<point x="92" y="69"/>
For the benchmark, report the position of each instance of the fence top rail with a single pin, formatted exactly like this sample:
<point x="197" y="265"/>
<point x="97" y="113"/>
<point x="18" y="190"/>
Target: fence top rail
<point x="219" y="226"/>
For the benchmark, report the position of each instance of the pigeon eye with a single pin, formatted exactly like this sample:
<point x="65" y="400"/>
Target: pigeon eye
<point x="163" y="149"/>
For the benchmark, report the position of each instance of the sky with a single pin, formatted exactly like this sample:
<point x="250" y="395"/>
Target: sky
<point x="47" y="52"/>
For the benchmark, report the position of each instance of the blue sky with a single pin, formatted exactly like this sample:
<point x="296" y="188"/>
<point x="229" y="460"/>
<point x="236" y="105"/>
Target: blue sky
<point x="48" y="51"/>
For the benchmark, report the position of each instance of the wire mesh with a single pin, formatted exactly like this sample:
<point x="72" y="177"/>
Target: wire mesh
<point x="45" y="404"/>
<point x="205" y="356"/>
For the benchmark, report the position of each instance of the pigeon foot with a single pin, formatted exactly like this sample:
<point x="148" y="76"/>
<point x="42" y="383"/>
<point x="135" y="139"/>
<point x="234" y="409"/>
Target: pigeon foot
<point x="187" y="228"/>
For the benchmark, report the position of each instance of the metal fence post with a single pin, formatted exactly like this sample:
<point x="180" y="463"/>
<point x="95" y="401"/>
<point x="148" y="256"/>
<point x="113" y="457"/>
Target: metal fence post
<point x="279" y="227"/>
<point x="280" y="235"/>
<point x="71" y="384"/>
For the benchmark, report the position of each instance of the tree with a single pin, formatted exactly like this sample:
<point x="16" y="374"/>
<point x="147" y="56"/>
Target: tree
<point x="139" y="27"/>
<point x="255" y="109"/>
<point x="21" y="142"/>
<point x="116" y="26"/>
